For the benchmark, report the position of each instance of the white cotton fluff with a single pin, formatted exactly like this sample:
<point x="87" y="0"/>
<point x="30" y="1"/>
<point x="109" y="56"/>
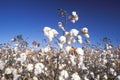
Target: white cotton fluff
<point x="79" y="38"/>
<point x="80" y="51"/>
<point x="87" y="35"/>
<point x="2" y="65"/>
<point x="8" y="70"/>
<point x="39" y="68"/>
<point x="30" y="67"/>
<point x="74" y="17"/>
<point x="72" y="59"/>
<point x="74" y="32"/>
<point x="35" y="78"/>
<point x="84" y="30"/>
<point x="62" y="39"/>
<point x="67" y="49"/>
<point x="63" y="75"/>
<point x="75" y="76"/>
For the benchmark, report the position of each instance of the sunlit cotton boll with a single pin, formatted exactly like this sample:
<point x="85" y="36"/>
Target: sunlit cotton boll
<point x="47" y="48"/>
<point x="35" y="78"/>
<point x="30" y="67"/>
<point x="8" y="70"/>
<point x="87" y="35"/>
<point x="68" y="48"/>
<point x="61" y="26"/>
<point x="80" y="51"/>
<point x="84" y="30"/>
<point x="46" y="30"/>
<point x="72" y="59"/>
<point x="74" y="17"/>
<point x="63" y="75"/>
<point x="39" y="68"/>
<point x="79" y="38"/>
<point x="117" y="78"/>
<point x="60" y="45"/>
<point x="62" y="39"/>
<point x="2" y="65"/>
<point x="75" y="76"/>
<point x="74" y="32"/>
<point x="23" y="56"/>
<point x="15" y="74"/>
<point x="48" y="33"/>
<point x="55" y="33"/>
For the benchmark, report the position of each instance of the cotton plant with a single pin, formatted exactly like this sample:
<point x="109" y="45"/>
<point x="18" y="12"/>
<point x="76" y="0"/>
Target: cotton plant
<point x="65" y="62"/>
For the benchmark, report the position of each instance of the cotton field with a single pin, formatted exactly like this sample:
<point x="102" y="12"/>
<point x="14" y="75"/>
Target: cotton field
<point x="64" y="61"/>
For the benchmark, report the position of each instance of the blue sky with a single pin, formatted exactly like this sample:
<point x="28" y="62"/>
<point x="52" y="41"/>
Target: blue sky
<point x="28" y="17"/>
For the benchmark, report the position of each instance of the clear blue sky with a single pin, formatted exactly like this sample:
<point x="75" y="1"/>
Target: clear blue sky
<point x="28" y="17"/>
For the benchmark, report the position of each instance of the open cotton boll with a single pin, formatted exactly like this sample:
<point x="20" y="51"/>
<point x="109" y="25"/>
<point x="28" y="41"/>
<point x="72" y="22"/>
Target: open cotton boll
<point x="47" y="48"/>
<point x="68" y="48"/>
<point x="63" y="75"/>
<point x="46" y="30"/>
<point x="23" y="56"/>
<point x="72" y="59"/>
<point x="87" y="35"/>
<point x="60" y="45"/>
<point x="35" y="78"/>
<point x="55" y="33"/>
<point x="2" y="65"/>
<point x="62" y="39"/>
<point x="75" y="76"/>
<point x="30" y="67"/>
<point x="39" y="68"/>
<point x="74" y="32"/>
<point x="84" y="30"/>
<point x="74" y="13"/>
<point x="60" y="24"/>
<point x="8" y="70"/>
<point x="79" y="38"/>
<point x="118" y="77"/>
<point x="80" y="51"/>
<point x="74" y="17"/>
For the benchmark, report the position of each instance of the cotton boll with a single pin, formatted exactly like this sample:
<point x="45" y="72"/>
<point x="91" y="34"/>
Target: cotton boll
<point x="62" y="39"/>
<point x="79" y="38"/>
<point x="23" y="56"/>
<point x="118" y="77"/>
<point x="80" y="41"/>
<point x="2" y="65"/>
<point x="74" y="13"/>
<point x="75" y="76"/>
<point x="74" y="17"/>
<point x="39" y="68"/>
<point x="73" y="21"/>
<point x="8" y="70"/>
<point x="63" y="75"/>
<point x="30" y="67"/>
<point x="84" y="30"/>
<point x="80" y="51"/>
<point x="35" y="78"/>
<point x="47" y="49"/>
<point x="46" y="30"/>
<point x="92" y="75"/>
<point x="87" y="35"/>
<point x="72" y="59"/>
<point x="73" y="40"/>
<point x="74" y="32"/>
<point x="55" y="33"/>
<point x="67" y="48"/>
<point x="60" y="45"/>
<point x="60" y="24"/>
